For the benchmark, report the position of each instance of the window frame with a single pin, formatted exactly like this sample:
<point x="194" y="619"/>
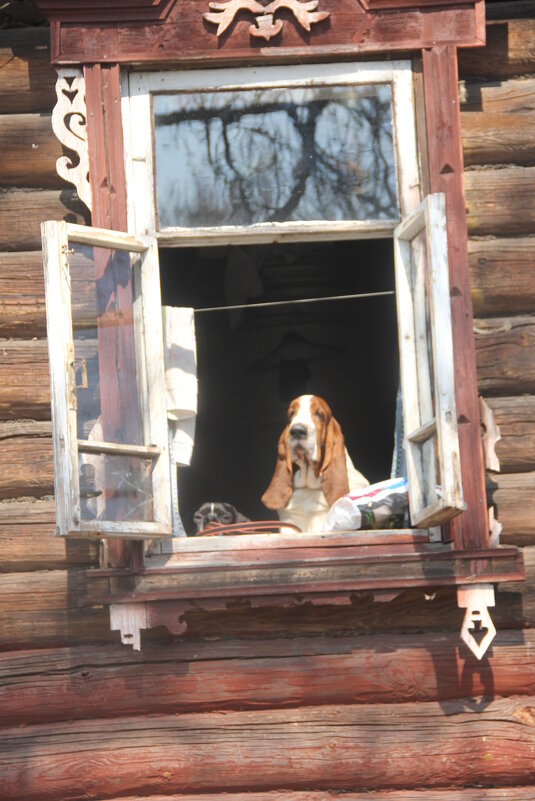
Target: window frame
<point x="147" y="324"/>
<point x="136" y="108"/>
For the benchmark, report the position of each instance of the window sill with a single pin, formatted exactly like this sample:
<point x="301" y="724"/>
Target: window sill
<point x="321" y="566"/>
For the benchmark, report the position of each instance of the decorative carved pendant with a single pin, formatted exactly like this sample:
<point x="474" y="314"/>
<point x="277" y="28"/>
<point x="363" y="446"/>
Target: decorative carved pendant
<point x="223" y="14"/>
<point x="69" y="123"/>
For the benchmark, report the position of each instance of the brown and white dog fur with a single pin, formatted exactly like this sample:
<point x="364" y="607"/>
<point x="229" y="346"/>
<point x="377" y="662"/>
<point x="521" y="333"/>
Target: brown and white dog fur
<point x="313" y="468"/>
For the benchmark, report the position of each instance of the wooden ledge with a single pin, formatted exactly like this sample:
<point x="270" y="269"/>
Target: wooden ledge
<point x="312" y="565"/>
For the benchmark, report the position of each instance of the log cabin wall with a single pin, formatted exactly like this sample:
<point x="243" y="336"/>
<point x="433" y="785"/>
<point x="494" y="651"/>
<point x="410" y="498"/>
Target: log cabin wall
<point x="376" y="700"/>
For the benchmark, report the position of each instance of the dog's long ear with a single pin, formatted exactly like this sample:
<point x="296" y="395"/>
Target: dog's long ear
<point x="280" y="489"/>
<point x="333" y="471"/>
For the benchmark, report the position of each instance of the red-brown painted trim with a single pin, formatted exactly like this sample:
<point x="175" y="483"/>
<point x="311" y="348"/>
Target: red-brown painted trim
<point x="185" y="38"/>
<point x="443" y="121"/>
<point x="97" y="11"/>
<point x="380" y="5"/>
<point x="108" y="187"/>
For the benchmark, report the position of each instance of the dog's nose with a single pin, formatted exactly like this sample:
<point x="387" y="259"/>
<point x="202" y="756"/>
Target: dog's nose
<point x="298" y="431"/>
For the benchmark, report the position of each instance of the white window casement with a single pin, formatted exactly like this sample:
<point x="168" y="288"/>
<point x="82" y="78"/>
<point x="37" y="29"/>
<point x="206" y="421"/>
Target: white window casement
<point x="111" y="463"/>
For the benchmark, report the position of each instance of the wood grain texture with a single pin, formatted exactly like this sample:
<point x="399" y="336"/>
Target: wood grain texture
<point x="514" y="96"/>
<point x="498" y="138"/>
<point x="24" y="380"/>
<point x="345" y="747"/>
<point x="466" y="794"/>
<point x="22" y="294"/>
<point x="514" y="497"/>
<point x="27" y="79"/>
<point x="181" y="677"/>
<point x="505" y="349"/>
<point x="27" y="540"/>
<point x="510" y="51"/>
<point x="186" y="38"/>
<point x="26" y="466"/>
<point x="30" y="151"/>
<point x="24" y="210"/>
<point x="500" y="201"/>
<point x="445" y="159"/>
<point x="502" y="275"/>
<point x="516" y="418"/>
<point x="42" y="609"/>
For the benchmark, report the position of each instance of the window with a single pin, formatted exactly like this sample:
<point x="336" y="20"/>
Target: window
<point x="331" y="158"/>
<point x="111" y="463"/>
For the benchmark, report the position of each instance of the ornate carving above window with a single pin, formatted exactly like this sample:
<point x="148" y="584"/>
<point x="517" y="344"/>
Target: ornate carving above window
<point x="69" y="122"/>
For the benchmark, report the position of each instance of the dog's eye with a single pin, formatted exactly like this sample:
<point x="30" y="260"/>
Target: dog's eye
<point x="320" y="415"/>
<point x="291" y="413"/>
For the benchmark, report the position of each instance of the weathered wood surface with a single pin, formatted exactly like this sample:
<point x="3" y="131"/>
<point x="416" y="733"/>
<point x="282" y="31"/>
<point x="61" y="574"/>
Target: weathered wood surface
<point x="350" y="31"/>
<point x="22" y="294"/>
<point x="466" y="794"/>
<point x="23" y="210"/>
<point x="41" y="609"/>
<point x="514" y="496"/>
<point x="510" y="51"/>
<point x="27" y="79"/>
<point x="516" y="419"/>
<point x="502" y="275"/>
<point x="27" y="540"/>
<point x="516" y="96"/>
<point x="505" y="348"/>
<point x="26" y="462"/>
<point x="29" y="152"/>
<point x="340" y="746"/>
<point x="498" y="138"/>
<point x="111" y="681"/>
<point x="500" y="201"/>
<point x="24" y="379"/>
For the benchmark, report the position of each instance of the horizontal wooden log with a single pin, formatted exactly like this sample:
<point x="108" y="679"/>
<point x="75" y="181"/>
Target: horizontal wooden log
<point x="498" y="138"/>
<point x="514" y="497"/>
<point x="22" y="294"/>
<point x="502" y="275"/>
<point x="27" y="79"/>
<point x="343" y="747"/>
<point x="23" y="210"/>
<point x="22" y="444"/>
<point x="41" y="609"/>
<point x="505" y="354"/>
<point x="498" y="201"/>
<point x="27" y="540"/>
<point x="30" y="150"/>
<point x="516" y="419"/>
<point x="510" y="51"/>
<point x="24" y="379"/>
<point x="465" y="794"/>
<point x="497" y="97"/>
<point x="83" y="682"/>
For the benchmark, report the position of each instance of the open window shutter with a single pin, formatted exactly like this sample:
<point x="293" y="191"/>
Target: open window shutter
<point x="111" y="462"/>
<point x="426" y="362"/>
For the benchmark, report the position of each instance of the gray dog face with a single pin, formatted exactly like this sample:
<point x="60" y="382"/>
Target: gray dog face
<point x="217" y="512"/>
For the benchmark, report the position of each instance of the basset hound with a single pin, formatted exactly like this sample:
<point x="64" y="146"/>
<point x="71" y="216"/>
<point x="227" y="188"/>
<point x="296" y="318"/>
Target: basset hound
<point x="313" y="467"/>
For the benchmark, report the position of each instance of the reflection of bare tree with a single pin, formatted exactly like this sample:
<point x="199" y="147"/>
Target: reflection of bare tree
<point x="275" y="155"/>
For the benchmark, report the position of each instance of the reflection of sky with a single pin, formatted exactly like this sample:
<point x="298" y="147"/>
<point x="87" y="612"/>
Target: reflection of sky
<point x="275" y="154"/>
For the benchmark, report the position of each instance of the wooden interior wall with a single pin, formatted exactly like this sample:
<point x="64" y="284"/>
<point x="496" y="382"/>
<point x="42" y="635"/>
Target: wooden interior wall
<point x="371" y="700"/>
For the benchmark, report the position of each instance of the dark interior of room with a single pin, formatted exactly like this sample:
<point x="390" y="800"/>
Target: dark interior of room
<point x="253" y="362"/>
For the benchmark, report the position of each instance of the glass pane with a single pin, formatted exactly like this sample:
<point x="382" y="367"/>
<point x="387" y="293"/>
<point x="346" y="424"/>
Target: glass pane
<point x="116" y="488"/>
<point x="107" y="388"/>
<point x="274" y="155"/>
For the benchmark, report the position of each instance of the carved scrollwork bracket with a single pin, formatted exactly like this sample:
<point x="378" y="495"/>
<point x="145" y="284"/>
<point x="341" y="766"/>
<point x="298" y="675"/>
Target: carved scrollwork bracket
<point x="69" y="123"/>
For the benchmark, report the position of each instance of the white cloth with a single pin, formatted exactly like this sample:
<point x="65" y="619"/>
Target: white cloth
<point x="180" y="361"/>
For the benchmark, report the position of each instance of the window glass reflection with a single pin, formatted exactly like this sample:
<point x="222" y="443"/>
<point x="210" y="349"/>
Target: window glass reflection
<point x="274" y="155"/>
